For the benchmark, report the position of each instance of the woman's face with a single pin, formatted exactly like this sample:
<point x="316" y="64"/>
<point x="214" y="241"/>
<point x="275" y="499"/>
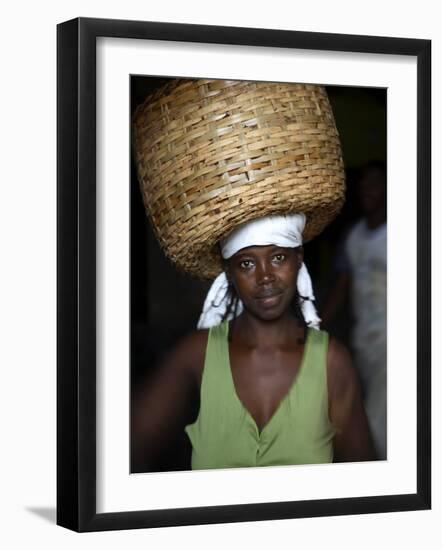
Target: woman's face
<point x="264" y="278"/>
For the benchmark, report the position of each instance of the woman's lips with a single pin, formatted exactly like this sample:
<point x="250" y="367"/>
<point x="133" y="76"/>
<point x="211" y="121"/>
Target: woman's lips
<point x="269" y="299"/>
<point x="268" y="293"/>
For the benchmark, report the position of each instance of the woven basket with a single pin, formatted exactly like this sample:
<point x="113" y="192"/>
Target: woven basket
<point x="212" y="154"/>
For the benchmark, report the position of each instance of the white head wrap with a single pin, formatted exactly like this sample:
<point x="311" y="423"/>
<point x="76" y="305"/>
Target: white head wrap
<point x="285" y="231"/>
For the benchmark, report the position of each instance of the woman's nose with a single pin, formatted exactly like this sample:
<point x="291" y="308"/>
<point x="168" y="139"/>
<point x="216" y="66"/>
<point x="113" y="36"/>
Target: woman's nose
<point x="264" y="273"/>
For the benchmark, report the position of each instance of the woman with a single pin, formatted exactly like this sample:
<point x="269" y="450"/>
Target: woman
<point x="273" y="389"/>
<point x="218" y="163"/>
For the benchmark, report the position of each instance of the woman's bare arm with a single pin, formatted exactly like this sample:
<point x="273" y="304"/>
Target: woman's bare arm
<point x="352" y="442"/>
<point x="160" y="407"/>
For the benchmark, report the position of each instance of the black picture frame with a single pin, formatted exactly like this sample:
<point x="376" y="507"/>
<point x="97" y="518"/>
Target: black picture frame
<point x="77" y="288"/>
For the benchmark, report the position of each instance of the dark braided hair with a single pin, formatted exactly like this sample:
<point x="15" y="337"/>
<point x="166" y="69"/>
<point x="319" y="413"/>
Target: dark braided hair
<point x="232" y="306"/>
<point x="296" y="308"/>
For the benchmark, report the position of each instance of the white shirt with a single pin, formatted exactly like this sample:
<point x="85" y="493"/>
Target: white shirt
<point x="366" y="251"/>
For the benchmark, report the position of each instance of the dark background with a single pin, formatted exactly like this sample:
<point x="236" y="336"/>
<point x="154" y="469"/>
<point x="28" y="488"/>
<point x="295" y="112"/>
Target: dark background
<point x="165" y="304"/>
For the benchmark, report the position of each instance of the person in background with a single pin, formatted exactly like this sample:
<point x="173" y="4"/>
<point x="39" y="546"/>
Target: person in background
<point x="363" y="273"/>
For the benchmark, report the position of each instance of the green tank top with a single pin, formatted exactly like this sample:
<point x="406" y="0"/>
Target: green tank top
<point x="225" y="434"/>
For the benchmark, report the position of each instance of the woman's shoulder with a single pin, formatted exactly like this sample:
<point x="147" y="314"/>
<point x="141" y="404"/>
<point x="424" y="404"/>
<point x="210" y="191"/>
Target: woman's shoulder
<point x="189" y="352"/>
<point x="341" y="373"/>
<point x="194" y="343"/>
<point x="338" y="356"/>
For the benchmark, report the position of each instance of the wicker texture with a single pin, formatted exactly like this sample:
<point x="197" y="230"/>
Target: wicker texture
<point x="212" y="154"/>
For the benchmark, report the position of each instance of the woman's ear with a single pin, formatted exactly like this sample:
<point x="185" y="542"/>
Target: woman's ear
<point x="226" y="268"/>
<point x="300" y="253"/>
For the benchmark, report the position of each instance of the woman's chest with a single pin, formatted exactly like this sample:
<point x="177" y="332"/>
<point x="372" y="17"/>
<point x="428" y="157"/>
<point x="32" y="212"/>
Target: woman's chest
<point x="262" y="380"/>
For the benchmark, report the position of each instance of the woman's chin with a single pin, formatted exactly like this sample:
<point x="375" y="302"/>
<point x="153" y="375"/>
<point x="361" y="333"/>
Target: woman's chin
<point x="268" y="311"/>
<point x="269" y="302"/>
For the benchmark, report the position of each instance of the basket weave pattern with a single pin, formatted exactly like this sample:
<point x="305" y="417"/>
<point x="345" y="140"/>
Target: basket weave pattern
<point x="212" y="154"/>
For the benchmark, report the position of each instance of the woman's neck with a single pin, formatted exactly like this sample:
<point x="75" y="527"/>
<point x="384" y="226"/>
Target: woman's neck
<point x="256" y="333"/>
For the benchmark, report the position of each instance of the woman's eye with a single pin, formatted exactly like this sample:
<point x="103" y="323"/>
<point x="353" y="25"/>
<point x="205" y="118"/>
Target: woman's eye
<point x="279" y="257"/>
<point x="245" y="264"/>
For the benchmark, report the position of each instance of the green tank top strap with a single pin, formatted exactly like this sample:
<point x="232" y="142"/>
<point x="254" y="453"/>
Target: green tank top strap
<point x="313" y="370"/>
<point x="215" y="379"/>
